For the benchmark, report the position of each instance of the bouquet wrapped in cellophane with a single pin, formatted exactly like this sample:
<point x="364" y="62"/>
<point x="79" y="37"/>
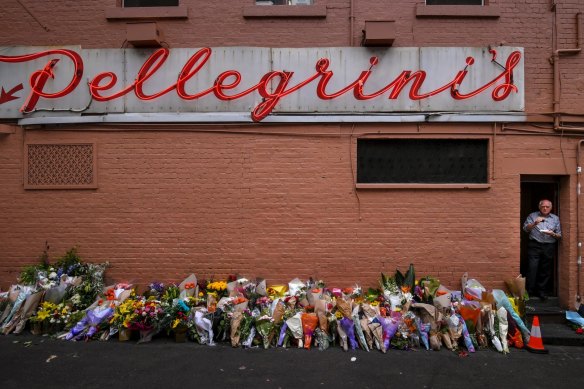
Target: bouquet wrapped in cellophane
<point x="398" y="313"/>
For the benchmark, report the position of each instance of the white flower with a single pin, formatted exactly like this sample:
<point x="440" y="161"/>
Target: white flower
<point x="76" y="299"/>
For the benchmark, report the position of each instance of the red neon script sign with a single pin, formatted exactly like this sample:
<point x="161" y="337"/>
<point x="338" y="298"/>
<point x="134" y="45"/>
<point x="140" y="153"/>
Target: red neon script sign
<point x="272" y="86"/>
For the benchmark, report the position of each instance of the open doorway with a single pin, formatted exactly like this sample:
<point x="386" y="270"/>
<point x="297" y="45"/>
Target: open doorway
<point x="533" y="189"/>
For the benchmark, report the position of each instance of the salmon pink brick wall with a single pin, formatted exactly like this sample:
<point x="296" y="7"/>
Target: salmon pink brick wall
<point x="274" y="205"/>
<point x="279" y="201"/>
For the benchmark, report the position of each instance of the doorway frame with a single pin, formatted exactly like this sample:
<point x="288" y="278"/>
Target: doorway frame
<point x="533" y="188"/>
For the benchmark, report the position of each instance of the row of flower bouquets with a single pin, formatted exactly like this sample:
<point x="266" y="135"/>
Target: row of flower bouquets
<point x="402" y="313"/>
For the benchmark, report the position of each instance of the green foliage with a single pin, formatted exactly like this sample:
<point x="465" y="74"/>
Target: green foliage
<point x="29" y="274"/>
<point x="170" y="293"/>
<point x="410" y="278"/>
<point x="399" y="278"/>
<point x="372" y="294"/>
<point x="389" y="284"/>
<point x="407" y="282"/>
<point x="71" y="263"/>
<point x="83" y="295"/>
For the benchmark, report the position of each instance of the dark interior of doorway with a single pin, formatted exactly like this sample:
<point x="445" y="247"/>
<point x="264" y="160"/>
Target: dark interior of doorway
<point x="534" y="189"/>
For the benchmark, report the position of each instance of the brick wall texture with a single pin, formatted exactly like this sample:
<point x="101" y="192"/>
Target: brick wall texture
<point x="279" y="201"/>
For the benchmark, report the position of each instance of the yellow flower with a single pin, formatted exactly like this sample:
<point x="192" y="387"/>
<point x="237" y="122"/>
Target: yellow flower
<point x="42" y="315"/>
<point x="217" y="285"/>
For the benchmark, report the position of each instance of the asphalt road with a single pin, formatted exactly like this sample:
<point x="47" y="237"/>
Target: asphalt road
<point x="42" y="362"/>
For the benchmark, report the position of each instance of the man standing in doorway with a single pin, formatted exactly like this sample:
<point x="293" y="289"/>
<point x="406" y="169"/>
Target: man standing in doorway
<point x="544" y="231"/>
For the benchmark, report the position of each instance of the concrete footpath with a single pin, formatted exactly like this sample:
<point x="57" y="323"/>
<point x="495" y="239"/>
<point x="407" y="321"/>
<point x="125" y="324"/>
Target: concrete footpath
<point x="43" y="362"/>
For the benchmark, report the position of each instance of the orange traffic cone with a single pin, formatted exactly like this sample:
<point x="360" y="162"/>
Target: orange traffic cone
<point x="535" y="344"/>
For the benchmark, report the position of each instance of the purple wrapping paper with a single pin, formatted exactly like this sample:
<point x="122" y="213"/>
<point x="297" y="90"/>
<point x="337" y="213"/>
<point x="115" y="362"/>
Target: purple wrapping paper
<point x="77" y="328"/>
<point x="389" y="327"/>
<point x="466" y="336"/>
<point x="348" y="325"/>
<point x="91" y="319"/>
<point x="282" y="334"/>
<point x="95" y="317"/>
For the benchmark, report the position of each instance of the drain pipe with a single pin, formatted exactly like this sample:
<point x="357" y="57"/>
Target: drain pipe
<point x="556" y="62"/>
<point x="352" y="21"/>
<point x="558" y="126"/>
<point x="579" y="190"/>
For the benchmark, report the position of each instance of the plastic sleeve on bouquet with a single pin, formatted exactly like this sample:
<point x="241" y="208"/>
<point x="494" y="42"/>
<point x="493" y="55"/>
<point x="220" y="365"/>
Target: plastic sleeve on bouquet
<point x="282" y="334"/>
<point x="389" y="327"/>
<point x="454" y="329"/>
<point x="466" y="336"/>
<point x="349" y="327"/>
<point x="323" y="322"/>
<point x="278" y="312"/>
<point x="360" y="334"/>
<point x="367" y="332"/>
<point x="22" y="296"/>
<point x="514" y="335"/>
<point x="235" y="324"/>
<point x="503" y="326"/>
<point x="187" y="286"/>
<point x="295" y="286"/>
<point x="78" y="328"/>
<point x="56" y="294"/>
<point x="344" y="307"/>
<point x="204" y="327"/>
<point x="295" y="326"/>
<point x="309" y="323"/>
<point x="333" y="324"/>
<point x="377" y="331"/>
<point x="30" y="305"/>
<point x="322" y="339"/>
<point x="369" y="311"/>
<point x="434" y="338"/>
<point x="445" y="336"/>
<point x="95" y="317"/>
<point x="342" y="337"/>
<point x="264" y="328"/>
<point x="502" y="301"/>
<point x="261" y="288"/>
<point x="249" y="339"/>
<point x="424" y="330"/>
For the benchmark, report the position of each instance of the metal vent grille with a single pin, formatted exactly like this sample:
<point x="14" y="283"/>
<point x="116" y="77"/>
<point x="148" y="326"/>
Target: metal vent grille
<point x="60" y="166"/>
<point x="426" y="161"/>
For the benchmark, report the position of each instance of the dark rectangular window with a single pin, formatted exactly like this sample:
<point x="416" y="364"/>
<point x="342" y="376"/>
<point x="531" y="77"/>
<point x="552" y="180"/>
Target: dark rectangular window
<point x="422" y="161"/>
<point x="284" y="2"/>
<point x="150" y="3"/>
<point x="454" y="2"/>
